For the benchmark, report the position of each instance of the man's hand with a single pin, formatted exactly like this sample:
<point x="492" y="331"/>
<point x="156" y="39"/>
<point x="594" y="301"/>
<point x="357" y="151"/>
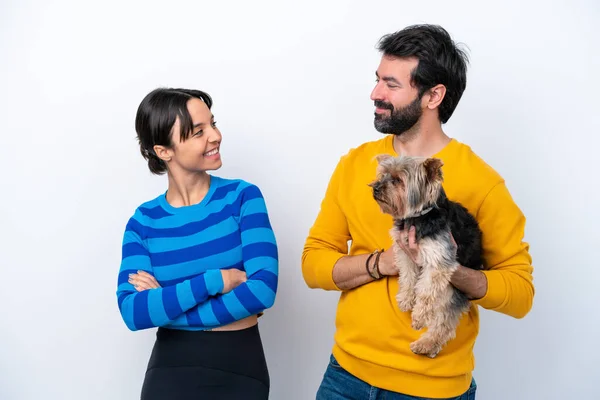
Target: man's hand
<point x="143" y="281"/>
<point x="471" y="282"/>
<point x="408" y="243"/>
<point x="232" y="278"/>
<point x="387" y="263"/>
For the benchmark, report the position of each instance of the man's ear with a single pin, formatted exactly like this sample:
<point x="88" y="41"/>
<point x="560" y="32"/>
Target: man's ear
<point x="436" y="96"/>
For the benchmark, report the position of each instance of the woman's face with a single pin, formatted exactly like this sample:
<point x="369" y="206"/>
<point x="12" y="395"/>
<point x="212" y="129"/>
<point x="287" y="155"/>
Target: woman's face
<point x="200" y="151"/>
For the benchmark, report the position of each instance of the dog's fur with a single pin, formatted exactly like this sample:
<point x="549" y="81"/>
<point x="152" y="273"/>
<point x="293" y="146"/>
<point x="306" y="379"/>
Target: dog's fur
<point x="410" y="190"/>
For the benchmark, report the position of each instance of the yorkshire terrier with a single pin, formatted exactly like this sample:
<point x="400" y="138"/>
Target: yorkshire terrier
<point x="410" y="190"/>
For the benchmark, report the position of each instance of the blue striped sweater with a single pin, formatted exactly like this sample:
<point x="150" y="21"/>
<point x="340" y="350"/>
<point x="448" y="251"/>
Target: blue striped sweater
<point x="185" y="249"/>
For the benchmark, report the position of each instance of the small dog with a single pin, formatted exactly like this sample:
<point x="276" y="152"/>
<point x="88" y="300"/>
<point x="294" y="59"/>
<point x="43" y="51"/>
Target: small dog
<point x="410" y="190"/>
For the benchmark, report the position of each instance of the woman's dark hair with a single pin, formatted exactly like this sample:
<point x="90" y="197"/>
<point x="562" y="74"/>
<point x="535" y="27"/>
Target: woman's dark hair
<point x="440" y="62"/>
<point x="156" y="116"/>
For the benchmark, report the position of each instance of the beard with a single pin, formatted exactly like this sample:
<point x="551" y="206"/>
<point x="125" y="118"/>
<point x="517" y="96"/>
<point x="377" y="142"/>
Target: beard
<point x="400" y="120"/>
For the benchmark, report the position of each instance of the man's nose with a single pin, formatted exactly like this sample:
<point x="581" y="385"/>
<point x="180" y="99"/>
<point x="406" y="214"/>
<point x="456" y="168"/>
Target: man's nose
<point x="376" y="93"/>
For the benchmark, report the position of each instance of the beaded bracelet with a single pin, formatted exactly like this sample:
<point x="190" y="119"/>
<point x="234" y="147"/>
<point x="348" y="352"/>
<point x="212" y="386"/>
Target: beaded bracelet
<point x="377" y="275"/>
<point x="367" y="264"/>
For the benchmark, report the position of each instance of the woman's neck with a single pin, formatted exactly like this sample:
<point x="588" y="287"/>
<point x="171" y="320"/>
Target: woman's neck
<point x="187" y="190"/>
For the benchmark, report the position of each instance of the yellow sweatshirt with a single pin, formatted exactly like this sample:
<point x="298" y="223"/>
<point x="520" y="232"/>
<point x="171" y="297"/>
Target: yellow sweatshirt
<point x="372" y="335"/>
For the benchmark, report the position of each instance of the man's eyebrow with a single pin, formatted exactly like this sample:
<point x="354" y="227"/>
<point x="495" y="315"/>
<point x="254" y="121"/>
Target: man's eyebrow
<point x="388" y="79"/>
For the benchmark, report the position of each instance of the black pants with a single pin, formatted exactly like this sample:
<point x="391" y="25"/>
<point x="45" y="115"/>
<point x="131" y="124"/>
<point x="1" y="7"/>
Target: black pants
<point x="211" y="365"/>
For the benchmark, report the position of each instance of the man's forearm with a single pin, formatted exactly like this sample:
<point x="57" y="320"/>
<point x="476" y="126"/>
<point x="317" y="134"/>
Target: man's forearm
<point x="471" y="282"/>
<point x="350" y="272"/>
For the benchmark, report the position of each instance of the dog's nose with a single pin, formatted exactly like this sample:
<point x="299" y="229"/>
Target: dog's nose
<point x="377" y="189"/>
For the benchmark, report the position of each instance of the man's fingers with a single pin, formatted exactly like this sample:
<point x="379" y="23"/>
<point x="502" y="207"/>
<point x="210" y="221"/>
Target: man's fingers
<point x="412" y="238"/>
<point x="404" y="239"/>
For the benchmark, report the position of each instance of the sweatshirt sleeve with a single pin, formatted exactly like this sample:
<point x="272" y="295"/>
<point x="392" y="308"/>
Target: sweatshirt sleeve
<point x="327" y="240"/>
<point x="508" y="266"/>
<point x="161" y="306"/>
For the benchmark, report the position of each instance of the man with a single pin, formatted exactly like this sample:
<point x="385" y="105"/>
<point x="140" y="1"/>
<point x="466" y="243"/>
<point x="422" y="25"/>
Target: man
<point x="420" y="80"/>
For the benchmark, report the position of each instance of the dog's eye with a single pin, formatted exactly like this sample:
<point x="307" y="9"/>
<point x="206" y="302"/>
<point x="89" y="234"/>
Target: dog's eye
<point x="397" y="181"/>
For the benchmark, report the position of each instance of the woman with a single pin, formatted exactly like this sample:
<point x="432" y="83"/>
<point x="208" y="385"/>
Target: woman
<point x="199" y="261"/>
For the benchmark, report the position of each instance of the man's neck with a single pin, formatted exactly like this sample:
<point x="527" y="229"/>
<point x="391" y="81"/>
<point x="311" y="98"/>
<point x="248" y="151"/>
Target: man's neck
<point x="421" y="141"/>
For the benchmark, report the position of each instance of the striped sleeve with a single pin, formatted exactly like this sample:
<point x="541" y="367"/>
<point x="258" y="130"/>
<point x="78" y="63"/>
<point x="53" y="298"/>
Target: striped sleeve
<point x="261" y="263"/>
<point x="156" y="307"/>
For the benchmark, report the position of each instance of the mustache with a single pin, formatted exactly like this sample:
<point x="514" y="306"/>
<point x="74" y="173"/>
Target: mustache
<point x="384" y="105"/>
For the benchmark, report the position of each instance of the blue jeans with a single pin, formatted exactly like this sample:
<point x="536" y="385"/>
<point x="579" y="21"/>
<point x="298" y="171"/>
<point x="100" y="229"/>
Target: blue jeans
<point x="339" y="384"/>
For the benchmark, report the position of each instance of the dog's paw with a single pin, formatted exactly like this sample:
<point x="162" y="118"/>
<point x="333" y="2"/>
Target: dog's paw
<point x="425" y="348"/>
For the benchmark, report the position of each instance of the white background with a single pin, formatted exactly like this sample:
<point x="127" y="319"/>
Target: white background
<point x="291" y="84"/>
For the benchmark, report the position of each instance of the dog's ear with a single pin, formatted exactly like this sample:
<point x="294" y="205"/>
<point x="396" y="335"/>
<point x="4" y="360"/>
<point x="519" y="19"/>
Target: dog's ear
<point x="433" y="168"/>
<point x="382" y="157"/>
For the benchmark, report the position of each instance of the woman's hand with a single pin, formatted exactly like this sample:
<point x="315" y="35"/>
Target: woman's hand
<point x="143" y="281"/>
<point x="232" y="278"/>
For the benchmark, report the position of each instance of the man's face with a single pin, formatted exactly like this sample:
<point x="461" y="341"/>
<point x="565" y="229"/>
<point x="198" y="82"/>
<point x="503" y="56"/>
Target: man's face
<point x="397" y="103"/>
